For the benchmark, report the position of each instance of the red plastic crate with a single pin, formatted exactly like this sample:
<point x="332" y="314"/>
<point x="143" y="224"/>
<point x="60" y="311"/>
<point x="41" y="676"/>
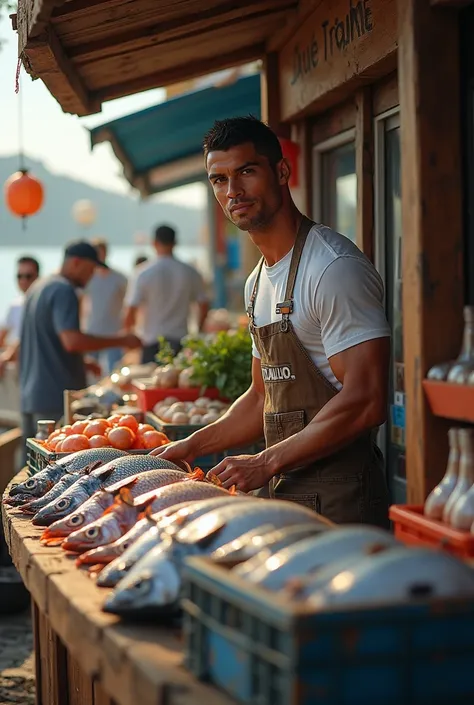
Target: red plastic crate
<point x="414" y="529"/>
<point x="148" y="397"/>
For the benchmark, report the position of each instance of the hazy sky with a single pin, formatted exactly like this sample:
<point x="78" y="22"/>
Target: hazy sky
<point x="61" y="141"/>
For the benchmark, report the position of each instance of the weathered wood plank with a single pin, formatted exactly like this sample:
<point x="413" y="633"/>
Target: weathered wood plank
<point x="80" y="685"/>
<point x="432" y="223"/>
<point x="53" y="664"/>
<point x="100" y="696"/>
<point x="365" y="227"/>
<point x="385" y="95"/>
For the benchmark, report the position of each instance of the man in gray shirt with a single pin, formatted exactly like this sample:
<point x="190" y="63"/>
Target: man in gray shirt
<point x="101" y="306"/>
<point x="163" y="292"/>
<point x="52" y="344"/>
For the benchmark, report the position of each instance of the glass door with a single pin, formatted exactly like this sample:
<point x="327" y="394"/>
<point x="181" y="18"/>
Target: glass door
<point x="389" y="262"/>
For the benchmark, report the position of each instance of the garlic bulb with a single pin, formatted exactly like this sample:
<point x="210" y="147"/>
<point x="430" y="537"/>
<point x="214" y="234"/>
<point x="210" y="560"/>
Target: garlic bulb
<point x="466" y="471"/>
<point x="436" y="501"/>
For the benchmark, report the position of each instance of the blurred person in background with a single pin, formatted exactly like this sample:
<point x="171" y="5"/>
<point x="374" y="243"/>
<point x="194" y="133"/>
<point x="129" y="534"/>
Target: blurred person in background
<point x="52" y="344"/>
<point x="163" y="292"/>
<point x="101" y="306"/>
<point x="27" y="272"/>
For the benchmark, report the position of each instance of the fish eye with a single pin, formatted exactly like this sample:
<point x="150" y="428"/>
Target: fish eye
<point x="29" y="484"/>
<point x="93" y="532"/>
<point x="76" y="520"/>
<point x="125" y="546"/>
<point x="142" y="586"/>
<point x="63" y="503"/>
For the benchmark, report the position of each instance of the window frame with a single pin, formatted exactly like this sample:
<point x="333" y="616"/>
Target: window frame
<point x="319" y="150"/>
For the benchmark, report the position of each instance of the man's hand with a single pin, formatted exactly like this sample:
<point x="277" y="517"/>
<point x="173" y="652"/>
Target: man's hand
<point x="179" y="450"/>
<point x="246" y="472"/>
<point x="131" y="341"/>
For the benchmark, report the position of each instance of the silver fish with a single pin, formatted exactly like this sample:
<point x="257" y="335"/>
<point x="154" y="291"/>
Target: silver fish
<point x="313" y="553"/>
<point x="154" y="584"/>
<point x="44" y="480"/>
<point x="56" y="491"/>
<point x="91" y="509"/>
<point x="166" y="523"/>
<point x="85" y="487"/>
<point x="265" y="540"/>
<point x="181" y="492"/>
<point x="149" y="480"/>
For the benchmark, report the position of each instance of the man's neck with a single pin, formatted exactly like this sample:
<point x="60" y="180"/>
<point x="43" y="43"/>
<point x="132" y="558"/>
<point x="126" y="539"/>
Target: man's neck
<point x="278" y="238"/>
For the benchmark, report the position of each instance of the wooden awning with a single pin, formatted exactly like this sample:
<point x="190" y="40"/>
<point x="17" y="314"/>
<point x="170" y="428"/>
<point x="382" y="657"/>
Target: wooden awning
<point x="91" y="51"/>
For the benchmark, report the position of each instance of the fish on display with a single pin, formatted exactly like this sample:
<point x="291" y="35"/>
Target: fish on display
<point x="182" y="492"/>
<point x="265" y="540"/>
<point x="164" y="523"/>
<point x="313" y="553"/>
<point x="102" y="478"/>
<point x="154" y="584"/>
<point x="91" y="509"/>
<point x="43" y="481"/>
<point x="149" y="480"/>
<point x="397" y="574"/>
<point x="109" y="552"/>
<point x="114" y="523"/>
<point x="56" y="491"/>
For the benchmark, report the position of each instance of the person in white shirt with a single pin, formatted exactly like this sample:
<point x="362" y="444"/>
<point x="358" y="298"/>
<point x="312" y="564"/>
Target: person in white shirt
<point x="28" y="270"/>
<point x="162" y="292"/>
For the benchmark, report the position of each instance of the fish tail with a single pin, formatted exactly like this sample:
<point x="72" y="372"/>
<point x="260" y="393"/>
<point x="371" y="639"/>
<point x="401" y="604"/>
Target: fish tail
<point x="233" y="489"/>
<point x="197" y="474"/>
<point x="213" y="479"/>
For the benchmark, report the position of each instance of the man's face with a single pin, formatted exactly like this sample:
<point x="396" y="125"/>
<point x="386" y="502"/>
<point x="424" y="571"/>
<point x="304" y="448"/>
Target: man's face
<point x="82" y="271"/>
<point x="246" y="186"/>
<point x="26" y="275"/>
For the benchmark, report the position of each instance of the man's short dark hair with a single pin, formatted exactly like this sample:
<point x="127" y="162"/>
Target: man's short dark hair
<point x="165" y="235"/>
<point x="30" y="260"/>
<point x="232" y="132"/>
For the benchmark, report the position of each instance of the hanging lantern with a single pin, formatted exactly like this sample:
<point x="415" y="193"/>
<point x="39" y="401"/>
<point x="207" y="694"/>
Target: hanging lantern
<point x="84" y="212"/>
<point x="291" y="152"/>
<point x="24" y="194"/>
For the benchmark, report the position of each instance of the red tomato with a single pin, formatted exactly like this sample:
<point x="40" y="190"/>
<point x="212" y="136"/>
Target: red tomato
<point x="79" y="426"/>
<point x="143" y="428"/>
<point x="114" y="419"/>
<point x="152" y="439"/>
<point x="55" y="442"/>
<point x="129" y="421"/>
<point x="138" y="444"/>
<point x="121" y="437"/>
<point x="75" y="442"/>
<point x="68" y="430"/>
<point x="96" y="427"/>
<point x="98" y="441"/>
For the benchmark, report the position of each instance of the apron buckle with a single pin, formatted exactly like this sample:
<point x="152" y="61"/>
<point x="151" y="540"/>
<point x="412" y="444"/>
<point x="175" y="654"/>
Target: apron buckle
<point x="284" y="325"/>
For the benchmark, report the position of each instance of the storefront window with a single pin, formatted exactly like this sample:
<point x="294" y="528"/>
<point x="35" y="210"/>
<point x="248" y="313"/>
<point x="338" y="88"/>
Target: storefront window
<point x="339" y="190"/>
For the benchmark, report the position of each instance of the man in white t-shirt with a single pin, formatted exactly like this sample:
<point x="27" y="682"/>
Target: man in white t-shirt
<point x="321" y="345"/>
<point x="162" y="293"/>
<point x="27" y="272"/>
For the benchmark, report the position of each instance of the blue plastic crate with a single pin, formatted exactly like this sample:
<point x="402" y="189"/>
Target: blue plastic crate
<point x="177" y="432"/>
<point x="265" y="650"/>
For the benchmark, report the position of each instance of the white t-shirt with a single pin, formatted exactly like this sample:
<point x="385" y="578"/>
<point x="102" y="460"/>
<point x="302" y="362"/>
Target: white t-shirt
<point x="104" y="296"/>
<point x="13" y="319"/>
<point x="338" y="297"/>
<point x="164" y="290"/>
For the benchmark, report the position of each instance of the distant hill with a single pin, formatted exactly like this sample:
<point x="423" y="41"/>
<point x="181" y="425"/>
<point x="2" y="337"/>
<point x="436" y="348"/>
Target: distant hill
<point x="119" y="216"/>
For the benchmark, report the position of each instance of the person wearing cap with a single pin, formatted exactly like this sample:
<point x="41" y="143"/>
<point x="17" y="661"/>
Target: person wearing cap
<point x="162" y="293"/>
<point x="101" y="307"/>
<point x="52" y="344"/>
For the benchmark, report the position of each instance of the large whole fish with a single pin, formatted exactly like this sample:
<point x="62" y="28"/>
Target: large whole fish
<point x="182" y="492"/>
<point x="114" y="523"/>
<point x="165" y="523"/>
<point x="102" y="478"/>
<point x="68" y="479"/>
<point x="91" y="509"/>
<point x="44" y="480"/>
<point x="154" y="584"/>
<point x="265" y="541"/>
<point x="313" y="553"/>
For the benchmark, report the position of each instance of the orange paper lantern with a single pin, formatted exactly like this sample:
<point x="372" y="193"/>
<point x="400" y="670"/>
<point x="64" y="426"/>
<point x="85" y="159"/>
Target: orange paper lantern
<point x="23" y="194"/>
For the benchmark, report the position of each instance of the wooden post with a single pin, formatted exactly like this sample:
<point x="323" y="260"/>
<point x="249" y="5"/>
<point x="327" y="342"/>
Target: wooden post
<point x="365" y="172"/>
<point x="431" y="221"/>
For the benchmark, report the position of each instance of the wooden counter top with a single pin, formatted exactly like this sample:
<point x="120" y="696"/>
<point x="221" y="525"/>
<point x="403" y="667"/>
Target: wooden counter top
<point x="132" y="665"/>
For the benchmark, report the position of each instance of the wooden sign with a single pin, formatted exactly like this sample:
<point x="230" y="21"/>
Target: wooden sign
<point x="336" y="43"/>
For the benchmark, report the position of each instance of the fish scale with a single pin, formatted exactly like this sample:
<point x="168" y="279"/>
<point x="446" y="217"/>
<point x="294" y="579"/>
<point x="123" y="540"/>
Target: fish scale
<point x="56" y="491"/>
<point x="101" y="478"/>
<point x="43" y="481"/>
<point x="149" y="480"/>
<point x="182" y="492"/>
<point x="119" y="567"/>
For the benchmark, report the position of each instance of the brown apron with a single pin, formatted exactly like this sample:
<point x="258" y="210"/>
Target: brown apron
<point x="346" y="487"/>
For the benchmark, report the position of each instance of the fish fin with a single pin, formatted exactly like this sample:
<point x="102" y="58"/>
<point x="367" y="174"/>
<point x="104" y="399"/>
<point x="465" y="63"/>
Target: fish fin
<point x="213" y="479"/>
<point x="105" y="473"/>
<point x="94" y="570"/>
<point x="197" y="474"/>
<point x="127" y="482"/>
<point x="233" y="489"/>
<point x="143" y="506"/>
<point x="126" y="496"/>
<point x="54" y="541"/>
<point x="148" y="514"/>
<point x="185" y="466"/>
<point x="118" y="501"/>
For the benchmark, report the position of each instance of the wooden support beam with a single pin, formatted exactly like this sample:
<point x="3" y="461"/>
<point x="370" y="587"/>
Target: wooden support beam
<point x="431" y="221"/>
<point x="364" y="146"/>
<point x="450" y="3"/>
<point x="45" y="57"/>
<point x="270" y="95"/>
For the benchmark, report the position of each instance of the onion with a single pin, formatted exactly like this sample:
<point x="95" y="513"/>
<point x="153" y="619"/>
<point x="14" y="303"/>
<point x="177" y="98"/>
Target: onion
<point x="178" y="408"/>
<point x="202" y="402"/>
<point x="180" y="418"/>
<point x="170" y="400"/>
<point x="169" y="377"/>
<point x="185" y="381"/>
<point x="195" y="420"/>
<point x="210" y="418"/>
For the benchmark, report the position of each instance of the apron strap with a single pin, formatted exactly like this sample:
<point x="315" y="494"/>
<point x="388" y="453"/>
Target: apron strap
<point x="286" y="307"/>
<point x="253" y="297"/>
